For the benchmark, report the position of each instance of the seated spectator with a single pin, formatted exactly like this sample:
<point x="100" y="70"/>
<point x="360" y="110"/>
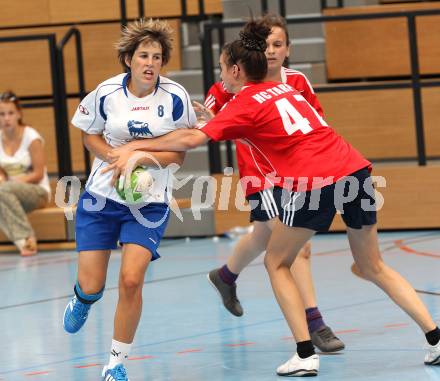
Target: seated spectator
<point x="24" y="185"/>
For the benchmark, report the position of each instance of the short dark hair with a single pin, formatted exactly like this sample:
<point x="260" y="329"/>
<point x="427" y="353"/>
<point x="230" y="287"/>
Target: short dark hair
<point x="137" y="32"/>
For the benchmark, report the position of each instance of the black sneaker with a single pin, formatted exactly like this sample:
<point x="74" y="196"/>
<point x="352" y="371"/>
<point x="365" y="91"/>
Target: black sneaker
<point x="226" y="292"/>
<point x="326" y="341"/>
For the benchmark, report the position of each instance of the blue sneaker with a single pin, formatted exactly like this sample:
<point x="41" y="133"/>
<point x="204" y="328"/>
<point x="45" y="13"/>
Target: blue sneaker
<point x="118" y="373"/>
<point x="75" y="315"/>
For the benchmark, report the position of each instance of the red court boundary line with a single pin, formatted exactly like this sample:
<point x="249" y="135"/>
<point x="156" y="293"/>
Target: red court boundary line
<point x="140" y="358"/>
<point x="396" y="325"/>
<point x="37" y="373"/>
<point x="347" y="331"/>
<point x="400" y="244"/>
<point x="240" y="344"/>
<point x="86" y="366"/>
<point x="189" y="351"/>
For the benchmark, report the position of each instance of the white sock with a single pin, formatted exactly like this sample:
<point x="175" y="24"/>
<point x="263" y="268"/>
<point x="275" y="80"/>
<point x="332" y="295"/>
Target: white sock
<point x="119" y="353"/>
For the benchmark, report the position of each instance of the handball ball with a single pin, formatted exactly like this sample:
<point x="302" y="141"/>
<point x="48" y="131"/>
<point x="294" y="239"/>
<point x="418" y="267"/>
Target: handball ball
<point x="139" y="185"/>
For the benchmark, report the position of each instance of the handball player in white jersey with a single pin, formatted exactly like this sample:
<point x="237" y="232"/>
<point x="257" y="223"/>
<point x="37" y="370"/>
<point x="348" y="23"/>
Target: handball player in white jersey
<point x="139" y="104"/>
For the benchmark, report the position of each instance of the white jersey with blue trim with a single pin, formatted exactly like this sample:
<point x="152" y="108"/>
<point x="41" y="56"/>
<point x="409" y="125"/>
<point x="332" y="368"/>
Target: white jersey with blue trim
<point x="120" y="117"/>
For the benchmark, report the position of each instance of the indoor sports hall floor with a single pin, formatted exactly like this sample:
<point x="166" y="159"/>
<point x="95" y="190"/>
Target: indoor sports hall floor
<point x="185" y="334"/>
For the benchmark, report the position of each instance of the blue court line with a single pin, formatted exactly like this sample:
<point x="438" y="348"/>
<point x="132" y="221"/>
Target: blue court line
<point x="372" y="301"/>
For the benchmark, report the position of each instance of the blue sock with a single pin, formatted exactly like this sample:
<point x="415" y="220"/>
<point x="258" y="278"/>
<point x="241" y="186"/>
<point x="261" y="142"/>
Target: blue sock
<point x="87" y="298"/>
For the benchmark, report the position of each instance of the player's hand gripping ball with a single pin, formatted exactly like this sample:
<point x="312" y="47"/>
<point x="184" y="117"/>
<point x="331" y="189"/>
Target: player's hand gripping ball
<point x="138" y="186"/>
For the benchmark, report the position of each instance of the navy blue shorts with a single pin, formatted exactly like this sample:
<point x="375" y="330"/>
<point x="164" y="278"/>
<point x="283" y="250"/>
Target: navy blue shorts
<point x="265" y="205"/>
<point x="101" y="223"/>
<point x="353" y="197"/>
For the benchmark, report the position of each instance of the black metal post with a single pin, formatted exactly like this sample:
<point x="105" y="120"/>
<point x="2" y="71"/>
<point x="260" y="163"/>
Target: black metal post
<point x="323" y="4"/>
<point x="184" y="8"/>
<point x="340" y="3"/>
<point x="417" y="93"/>
<point x="264" y="6"/>
<point x="229" y="154"/>
<point x="214" y="153"/>
<point x="81" y="89"/>
<point x="60" y="109"/>
<point x="282" y="7"/>
<point x="141" y="9"/>
<point x="202" y="8"/>
<point x="123" y="9"/>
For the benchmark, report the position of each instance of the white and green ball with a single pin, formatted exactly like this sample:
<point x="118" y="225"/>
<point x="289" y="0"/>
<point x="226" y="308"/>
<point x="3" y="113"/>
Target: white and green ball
<point x="139" y="185"/>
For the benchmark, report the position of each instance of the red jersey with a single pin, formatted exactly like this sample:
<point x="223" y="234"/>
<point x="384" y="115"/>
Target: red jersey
<point x="291" y="145"/>
<point x="218" y="96"/>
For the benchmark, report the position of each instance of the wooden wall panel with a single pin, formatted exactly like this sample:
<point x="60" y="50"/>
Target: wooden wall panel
<point x="379" y="123"/>
<point x="410" y="197"/>
<point x="36" y="80"/>
<point x="380" y="48"/>
<point x="76" y="144"/>
<point x="24" y="12"/>
<point x="42" y="119"/>
<point x="83" y="10"/>
<point x="211" y="6"/>
<point x="39" y="12"/>
<point x="170" y="8"/>
<point x="232" y="217"/>
<point x="431" y="117"/>
<point x="132" y="9"/>
<point x="176" y="54"/>
<point x="428" y="43"/>
<point x="100" y="57"/>
<point x="25" y="67"/>
<point x="359" y="49"/>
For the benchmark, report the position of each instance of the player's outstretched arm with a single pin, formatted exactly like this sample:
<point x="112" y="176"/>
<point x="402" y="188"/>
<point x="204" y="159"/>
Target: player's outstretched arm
<point x="164" y="159"/>
<point x="178" y="140"/>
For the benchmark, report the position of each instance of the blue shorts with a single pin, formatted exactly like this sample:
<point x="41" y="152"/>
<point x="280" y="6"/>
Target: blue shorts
<point x="101" y="223"/>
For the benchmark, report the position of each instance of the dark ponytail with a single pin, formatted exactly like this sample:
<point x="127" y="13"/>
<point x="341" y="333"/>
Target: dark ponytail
<point x="249" y="51"/>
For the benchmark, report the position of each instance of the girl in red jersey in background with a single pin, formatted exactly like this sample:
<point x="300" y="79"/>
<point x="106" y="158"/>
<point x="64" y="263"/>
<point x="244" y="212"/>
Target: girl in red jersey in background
<point x="251" y="245"/>
<point x="280" y="124"/>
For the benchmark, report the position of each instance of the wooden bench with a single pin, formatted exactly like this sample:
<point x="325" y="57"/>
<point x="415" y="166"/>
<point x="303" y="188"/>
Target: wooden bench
<point x="50" y="223"/>
<point x="380" y="48"/>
